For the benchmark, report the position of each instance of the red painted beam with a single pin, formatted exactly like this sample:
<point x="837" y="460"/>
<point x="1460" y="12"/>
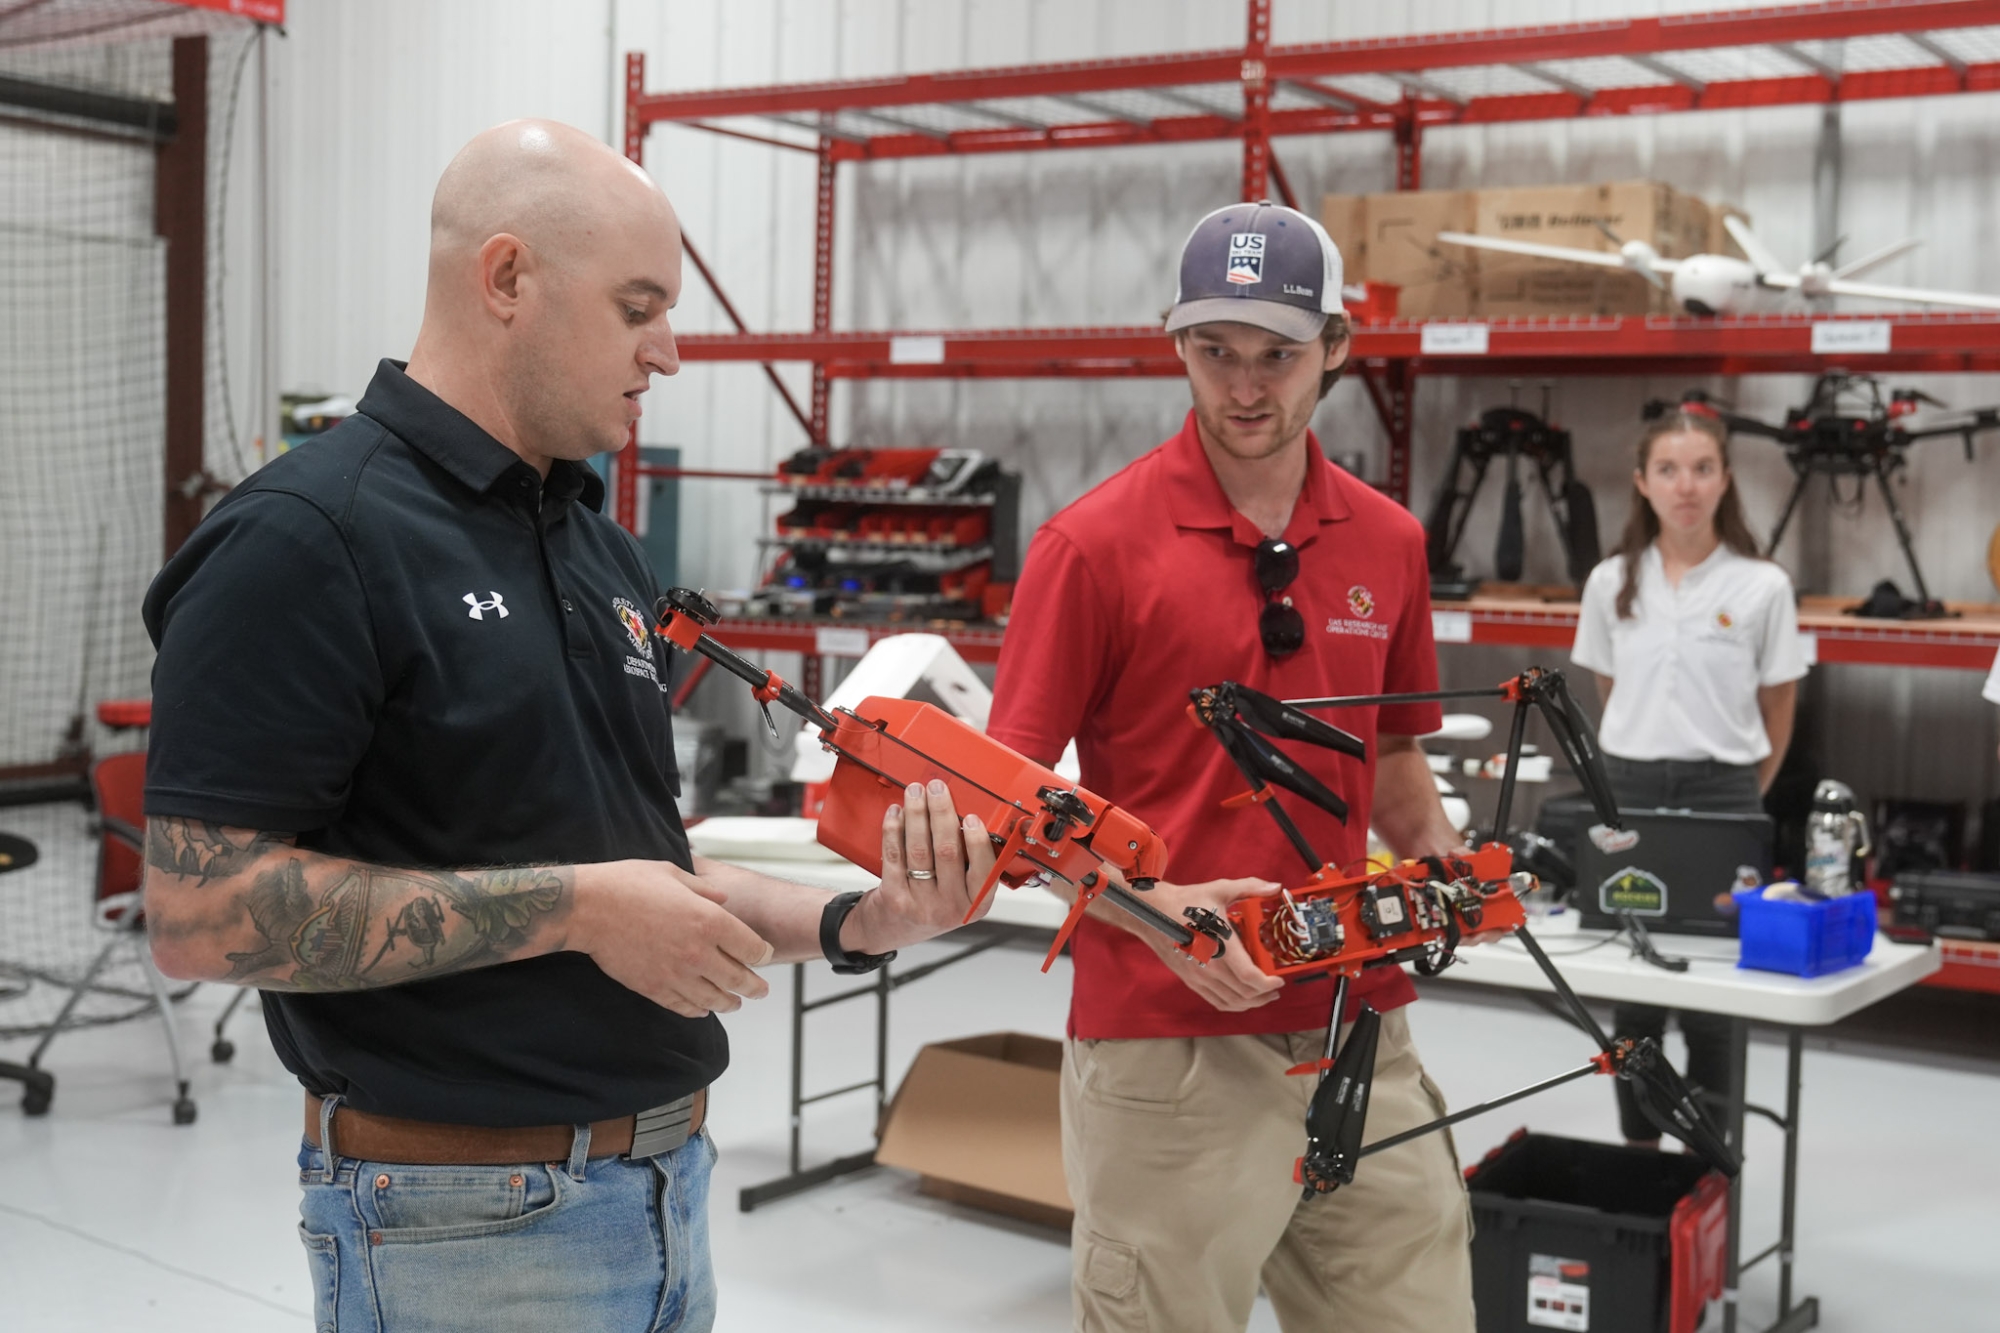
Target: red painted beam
<point x="1636" y="36"/>
<point x="1584" y="345"/>
<point x="1569" y="41"/>
<point x="1513" y="108"/>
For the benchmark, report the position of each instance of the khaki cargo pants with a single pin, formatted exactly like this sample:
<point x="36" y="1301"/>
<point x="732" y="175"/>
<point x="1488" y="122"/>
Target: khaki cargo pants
<point x="1179" y="1155"/>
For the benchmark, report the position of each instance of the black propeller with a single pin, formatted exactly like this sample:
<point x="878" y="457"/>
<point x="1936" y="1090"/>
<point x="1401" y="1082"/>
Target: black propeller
<point x="1575" y="737"/>
<point x="1338" y="1113"/>
<point x="1274" y="717"/>
<point x="1665" y="1099"/>
<point x="1261" y="760"/>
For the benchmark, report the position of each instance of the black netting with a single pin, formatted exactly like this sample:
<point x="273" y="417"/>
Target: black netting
<point x="82" y="425"/>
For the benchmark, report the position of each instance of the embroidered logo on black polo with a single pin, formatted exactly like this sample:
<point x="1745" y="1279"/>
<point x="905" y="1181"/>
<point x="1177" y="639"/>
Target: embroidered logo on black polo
<point x="494" y="603"/>
<point x="635" y="626"/>
<point x="639" y="662"/>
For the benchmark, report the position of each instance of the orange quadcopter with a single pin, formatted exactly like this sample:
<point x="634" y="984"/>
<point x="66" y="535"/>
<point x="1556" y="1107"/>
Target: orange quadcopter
<point x="1330" y="924"/>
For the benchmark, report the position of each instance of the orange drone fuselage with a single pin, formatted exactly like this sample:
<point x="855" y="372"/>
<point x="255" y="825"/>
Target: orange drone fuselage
<point x="885" y="744"/>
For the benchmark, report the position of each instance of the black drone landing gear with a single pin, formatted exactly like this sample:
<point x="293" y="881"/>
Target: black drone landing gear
<point x="1880" y="467"/>
<point x="1509" y="433"/>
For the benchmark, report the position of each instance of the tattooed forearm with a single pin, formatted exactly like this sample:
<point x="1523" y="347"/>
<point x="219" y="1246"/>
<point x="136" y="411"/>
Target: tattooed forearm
<point x="294" y="920"/>
<point x="204" y="851"/>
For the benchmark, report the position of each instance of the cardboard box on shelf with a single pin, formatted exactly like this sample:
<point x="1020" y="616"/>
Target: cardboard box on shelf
<point x="1520" y="287"/>
<point x="1345" y="218"/>
<point x="1402" y="248"/>
<point x="980" y="1120"/>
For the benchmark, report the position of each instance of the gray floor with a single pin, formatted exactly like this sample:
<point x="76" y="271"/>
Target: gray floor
<point x="114" y="1219"/>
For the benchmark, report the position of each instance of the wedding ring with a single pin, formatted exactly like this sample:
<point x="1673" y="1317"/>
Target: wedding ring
<point x="921" y="874"/>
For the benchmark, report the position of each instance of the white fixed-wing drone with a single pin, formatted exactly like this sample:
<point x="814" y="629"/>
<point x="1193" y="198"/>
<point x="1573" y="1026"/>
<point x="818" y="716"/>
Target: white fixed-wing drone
<point x="1725" y="285"/>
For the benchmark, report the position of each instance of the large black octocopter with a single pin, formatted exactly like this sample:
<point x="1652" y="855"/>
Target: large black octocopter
<point x="1241" y="718"/>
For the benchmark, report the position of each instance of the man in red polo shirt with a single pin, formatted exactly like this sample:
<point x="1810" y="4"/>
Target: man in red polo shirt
<point x="1236" y="551"/>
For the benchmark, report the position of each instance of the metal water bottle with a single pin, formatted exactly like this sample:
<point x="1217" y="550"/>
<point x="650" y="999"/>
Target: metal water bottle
<point x="1836" y="833"/>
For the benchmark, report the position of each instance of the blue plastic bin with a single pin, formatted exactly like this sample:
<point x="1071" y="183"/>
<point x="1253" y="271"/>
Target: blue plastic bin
<point x="1805" y="939"/>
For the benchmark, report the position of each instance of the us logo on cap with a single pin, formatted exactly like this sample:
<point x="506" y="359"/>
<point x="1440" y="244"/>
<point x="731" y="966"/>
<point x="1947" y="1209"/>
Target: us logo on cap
<point x="1246" y="257"/>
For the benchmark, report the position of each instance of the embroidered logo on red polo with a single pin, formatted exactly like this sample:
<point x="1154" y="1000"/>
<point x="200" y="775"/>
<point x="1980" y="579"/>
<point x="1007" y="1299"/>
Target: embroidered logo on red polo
<point x="1361" y="622"/>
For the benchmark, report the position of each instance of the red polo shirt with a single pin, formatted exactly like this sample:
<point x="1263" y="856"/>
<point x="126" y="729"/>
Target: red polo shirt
<point x="1143" y="590"/>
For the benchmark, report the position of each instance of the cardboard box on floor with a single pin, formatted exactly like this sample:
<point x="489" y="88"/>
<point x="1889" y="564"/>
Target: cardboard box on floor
<point x="1401" y="247"/>
<point x="980" y="1119"/>
<point x="1519" y="287"/>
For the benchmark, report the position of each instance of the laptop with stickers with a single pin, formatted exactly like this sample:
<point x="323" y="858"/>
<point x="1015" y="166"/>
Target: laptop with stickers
<point x="1677" y="877"/>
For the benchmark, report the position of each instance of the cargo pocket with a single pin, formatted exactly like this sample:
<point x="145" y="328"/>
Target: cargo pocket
<point x="1149" y="1074"/>
<point x="1107" y="1287"/>
<point x="323" y="1265"/>
<point x="1436" y="1095"/>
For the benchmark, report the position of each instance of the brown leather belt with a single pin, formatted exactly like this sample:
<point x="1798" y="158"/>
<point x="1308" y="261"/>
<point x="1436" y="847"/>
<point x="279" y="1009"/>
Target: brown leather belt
<point x="383" y="1138"/>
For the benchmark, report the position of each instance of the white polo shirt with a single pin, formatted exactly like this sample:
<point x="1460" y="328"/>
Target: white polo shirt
<point x="1689" y="662"/>
<point x="1992" y="690"/>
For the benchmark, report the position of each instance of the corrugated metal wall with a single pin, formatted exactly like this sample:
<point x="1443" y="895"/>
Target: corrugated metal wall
<point x="375" y="96"/>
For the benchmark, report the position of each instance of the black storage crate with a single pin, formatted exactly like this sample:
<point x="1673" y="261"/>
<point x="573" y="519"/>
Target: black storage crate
<point x="1593" y="1237"/>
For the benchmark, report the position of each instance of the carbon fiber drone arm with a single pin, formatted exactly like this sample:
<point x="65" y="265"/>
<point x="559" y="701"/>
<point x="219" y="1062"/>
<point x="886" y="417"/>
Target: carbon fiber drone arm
<point x="1985" y="419"/>
<point x="1734" y="421"/>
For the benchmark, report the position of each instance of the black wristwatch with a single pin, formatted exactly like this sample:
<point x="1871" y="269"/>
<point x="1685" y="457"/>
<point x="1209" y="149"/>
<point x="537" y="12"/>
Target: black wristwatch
<point x="830" y="921"/>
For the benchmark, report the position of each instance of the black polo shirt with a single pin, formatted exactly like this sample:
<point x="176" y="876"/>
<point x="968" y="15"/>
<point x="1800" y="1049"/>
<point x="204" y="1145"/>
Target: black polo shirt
<point x="398" y="643"/>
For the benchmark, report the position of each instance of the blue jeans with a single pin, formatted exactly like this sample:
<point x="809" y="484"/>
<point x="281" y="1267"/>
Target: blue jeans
<point x="611" y="1244"/>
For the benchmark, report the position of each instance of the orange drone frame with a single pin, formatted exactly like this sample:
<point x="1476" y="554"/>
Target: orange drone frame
<point x="1329" y="925"/>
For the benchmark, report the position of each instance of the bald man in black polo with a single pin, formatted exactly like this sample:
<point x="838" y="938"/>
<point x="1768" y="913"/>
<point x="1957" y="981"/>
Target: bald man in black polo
<point x="412" y="777"/>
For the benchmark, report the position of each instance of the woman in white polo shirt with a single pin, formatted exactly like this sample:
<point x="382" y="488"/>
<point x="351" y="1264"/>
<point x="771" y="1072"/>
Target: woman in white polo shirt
<point x="1694" y="640"/>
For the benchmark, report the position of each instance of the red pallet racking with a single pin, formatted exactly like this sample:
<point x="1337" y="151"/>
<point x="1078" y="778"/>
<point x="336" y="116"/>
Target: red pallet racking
<point x="1403" y="87"/>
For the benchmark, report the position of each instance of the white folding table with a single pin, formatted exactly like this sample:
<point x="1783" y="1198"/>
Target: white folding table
<point x="1714" y="984"/>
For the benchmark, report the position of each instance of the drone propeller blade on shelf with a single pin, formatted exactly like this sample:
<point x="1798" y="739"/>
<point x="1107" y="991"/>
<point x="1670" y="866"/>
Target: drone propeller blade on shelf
<point x="1876" y="259"/>
<point x="1258" y="757"/>
<point x="1275" y="717"/>
<point x="1535" y="250"/>
<point x="1509" y="548"/>
<point x="1756" y="251"/>
<point x="1915" y="295"/>
<point x="1580" y="531"/>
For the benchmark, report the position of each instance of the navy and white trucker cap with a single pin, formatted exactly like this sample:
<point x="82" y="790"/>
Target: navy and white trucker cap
<point x="1259" y="264"/>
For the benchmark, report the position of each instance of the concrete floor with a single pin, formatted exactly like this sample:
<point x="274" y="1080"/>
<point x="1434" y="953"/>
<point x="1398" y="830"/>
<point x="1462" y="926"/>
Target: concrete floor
<point x="113" y="1218"/>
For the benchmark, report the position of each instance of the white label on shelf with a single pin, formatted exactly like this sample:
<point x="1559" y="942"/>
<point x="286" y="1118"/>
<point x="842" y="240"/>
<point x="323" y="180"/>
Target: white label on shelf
<point x="1454" y="340"/>
<point x="916" y="351"/>
<point x="1809" y="648"/>
<point x="837" y="641"/>
<point x="1835" y="336"/>
<point x="1451" y="626"/>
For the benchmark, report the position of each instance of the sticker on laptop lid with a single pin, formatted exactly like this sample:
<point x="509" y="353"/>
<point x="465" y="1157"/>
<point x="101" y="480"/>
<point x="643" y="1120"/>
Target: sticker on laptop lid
<point x="1640" y="892"/>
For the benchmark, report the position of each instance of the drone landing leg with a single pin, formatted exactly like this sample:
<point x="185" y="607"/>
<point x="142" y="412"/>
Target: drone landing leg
<point x="1784" y="519"/>
<point x="1903" y="536"/>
